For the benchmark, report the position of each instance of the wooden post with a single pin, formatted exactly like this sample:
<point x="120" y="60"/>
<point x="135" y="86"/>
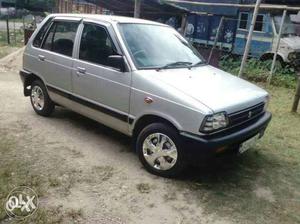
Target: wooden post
<point x="249" y="39"/>
<point x="7" y="28"/>
<point x="15" y="35"/>
<point x="216" y="40"/>
<point x="297" y="96"/>
<point x="183" y="24"/>
<point x="137" y="8"/>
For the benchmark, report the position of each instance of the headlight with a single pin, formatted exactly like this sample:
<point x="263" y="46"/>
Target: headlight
<point x="214" y="122"/>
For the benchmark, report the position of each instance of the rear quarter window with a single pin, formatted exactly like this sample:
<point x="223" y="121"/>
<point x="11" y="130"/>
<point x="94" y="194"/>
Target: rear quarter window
<point x="41" y="34"/>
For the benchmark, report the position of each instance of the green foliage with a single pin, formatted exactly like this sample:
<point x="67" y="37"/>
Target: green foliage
<point x="258" y="71"/>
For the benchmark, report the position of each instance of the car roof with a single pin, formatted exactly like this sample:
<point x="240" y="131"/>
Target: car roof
<point x="108" y="18"/>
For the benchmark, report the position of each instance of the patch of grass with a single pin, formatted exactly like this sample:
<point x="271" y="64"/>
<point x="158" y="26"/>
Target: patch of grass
<point x="55" y="215"/>
<point x="102" y="173"/>
<point x="13" y="171"/>
<point x="16" y="38"/>
<point x="259" y="71"/>
<point x="17" y="20"/>
<point x="75" y="214"/>
<point x="17" y="41"/>
<point x="22" y="167"/>
<point x="143" y="188"/>
<point x="6" y="50"/>
<point x="54" y="182"/>
<point x="170" y="196"/>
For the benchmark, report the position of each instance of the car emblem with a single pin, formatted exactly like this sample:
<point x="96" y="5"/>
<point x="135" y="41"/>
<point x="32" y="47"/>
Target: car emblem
<point x="250" y="114"/>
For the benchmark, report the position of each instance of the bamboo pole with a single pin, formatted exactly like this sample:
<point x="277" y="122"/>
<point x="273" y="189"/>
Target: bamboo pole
<point x="216" y="39"/>
<point x="277" y="47"/>
<point x="249" y="39"/>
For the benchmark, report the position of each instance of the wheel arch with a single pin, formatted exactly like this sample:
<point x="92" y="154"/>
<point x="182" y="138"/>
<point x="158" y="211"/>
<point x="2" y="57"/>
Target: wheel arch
<point x="270" y="55"/>
<point x="29" y="79"/>
<point x="147" y="119"/>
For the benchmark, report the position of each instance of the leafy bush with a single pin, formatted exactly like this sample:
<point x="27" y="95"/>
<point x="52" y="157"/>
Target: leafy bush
<point x="259" y="71"/>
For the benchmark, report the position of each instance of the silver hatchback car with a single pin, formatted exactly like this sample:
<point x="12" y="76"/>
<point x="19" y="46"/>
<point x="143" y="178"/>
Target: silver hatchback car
<point x="145" y="80"/>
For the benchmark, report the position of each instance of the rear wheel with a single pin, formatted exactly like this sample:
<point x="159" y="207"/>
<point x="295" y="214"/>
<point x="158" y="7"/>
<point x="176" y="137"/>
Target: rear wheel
<point x="160" y="150"/>
<point x="40" y="100"/>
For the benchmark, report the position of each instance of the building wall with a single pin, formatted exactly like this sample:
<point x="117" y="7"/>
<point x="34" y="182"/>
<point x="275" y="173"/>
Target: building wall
<point x="72" y="6"/>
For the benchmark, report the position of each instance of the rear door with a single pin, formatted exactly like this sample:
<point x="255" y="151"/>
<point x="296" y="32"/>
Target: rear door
<point x="31" y="61"/>
<point x="56" y="54"/>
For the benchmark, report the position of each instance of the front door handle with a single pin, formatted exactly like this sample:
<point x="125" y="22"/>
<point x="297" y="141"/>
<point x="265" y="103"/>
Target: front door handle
<point x="81" y="71"/>
<point x="41" y="57"/>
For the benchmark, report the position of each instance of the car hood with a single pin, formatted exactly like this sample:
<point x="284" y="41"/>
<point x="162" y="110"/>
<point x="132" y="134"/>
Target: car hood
<point x="218" y="90"/>
<point x="293" y="42"/>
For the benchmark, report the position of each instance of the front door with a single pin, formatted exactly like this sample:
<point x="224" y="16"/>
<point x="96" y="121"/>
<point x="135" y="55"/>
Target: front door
<point x="104" y="87"/>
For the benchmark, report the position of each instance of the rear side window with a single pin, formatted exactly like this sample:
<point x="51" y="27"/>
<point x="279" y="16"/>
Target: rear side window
<point x="41" y="34"/>
<point x="60" y="38"/>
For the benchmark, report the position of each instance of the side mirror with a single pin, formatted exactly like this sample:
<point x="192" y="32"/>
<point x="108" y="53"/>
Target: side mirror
<point x="117" y="61"/>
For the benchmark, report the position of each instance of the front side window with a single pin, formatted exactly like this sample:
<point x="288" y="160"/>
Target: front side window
<point x="60" y="38"/>
<point x="155" y="46"/>
<point x="96" y="45"/>
<point x="243" y="21"/>
<point x="289" y="28"/>
<point x="259" y="23"/>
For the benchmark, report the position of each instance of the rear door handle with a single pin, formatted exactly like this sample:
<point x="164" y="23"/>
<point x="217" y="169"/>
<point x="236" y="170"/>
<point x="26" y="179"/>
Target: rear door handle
<point x="41" y="57"/>
<point x="81" y="71"/>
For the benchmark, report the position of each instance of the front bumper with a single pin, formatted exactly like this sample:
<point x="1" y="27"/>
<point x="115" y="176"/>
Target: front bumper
<point x="208" y="145"/>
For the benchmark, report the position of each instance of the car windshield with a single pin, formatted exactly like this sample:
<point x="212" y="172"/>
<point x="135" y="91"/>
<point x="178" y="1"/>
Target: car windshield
<point x="288" y="28"/>
<point x="158" y="47"/>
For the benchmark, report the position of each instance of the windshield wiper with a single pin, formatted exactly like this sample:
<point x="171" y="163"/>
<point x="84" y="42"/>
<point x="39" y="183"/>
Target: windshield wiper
<point x="198" y="64"/>
<point x="176" y="64"/>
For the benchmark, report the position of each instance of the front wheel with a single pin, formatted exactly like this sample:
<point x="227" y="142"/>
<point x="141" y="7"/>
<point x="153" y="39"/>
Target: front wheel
<point x="40" y="100"/>
<point x="160" y="150"/>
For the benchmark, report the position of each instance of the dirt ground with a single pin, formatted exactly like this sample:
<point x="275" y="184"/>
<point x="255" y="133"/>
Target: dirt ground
<point x="92" y="169"/>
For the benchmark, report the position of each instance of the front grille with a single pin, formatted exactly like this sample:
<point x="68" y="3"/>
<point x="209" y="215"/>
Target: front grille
<point x="246" y="115"/>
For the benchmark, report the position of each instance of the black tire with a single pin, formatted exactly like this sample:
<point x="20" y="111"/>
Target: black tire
<point x="170" y="132"/>
<point x="48" y="106"/>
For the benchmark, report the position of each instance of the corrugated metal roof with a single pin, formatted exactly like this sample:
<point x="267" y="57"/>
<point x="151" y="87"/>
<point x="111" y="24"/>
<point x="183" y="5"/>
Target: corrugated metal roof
<point x="231" y="7"/>
<point x="283" y="2"/>
<point x="226" y="11"/>
<point x="149" y="7"/>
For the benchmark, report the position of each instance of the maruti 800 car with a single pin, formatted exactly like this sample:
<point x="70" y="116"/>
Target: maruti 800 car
<point x="145" y="80"/>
